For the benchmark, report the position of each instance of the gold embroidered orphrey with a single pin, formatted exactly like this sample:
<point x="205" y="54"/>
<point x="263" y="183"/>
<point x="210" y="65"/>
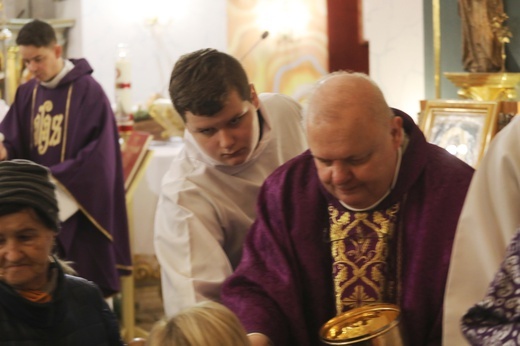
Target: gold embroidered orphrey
<point x="49" y="130"/>
<point x="365" y="265"/>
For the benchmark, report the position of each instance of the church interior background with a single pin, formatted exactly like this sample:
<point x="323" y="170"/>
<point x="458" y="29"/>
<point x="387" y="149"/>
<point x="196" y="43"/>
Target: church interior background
<point x="285" y="45"/>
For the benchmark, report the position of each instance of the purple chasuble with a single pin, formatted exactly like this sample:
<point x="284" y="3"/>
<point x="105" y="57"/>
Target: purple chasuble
<point x="283" y="286"/>
<point x="71" y="129"/>
<point x="496" y="319"/>
<point x="364" y="256"/>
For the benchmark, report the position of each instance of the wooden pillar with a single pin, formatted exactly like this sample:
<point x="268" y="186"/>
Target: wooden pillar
<point x="347" y="48"/>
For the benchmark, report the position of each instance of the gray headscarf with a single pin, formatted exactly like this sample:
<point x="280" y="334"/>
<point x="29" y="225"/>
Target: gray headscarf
<point x="25" y="183"/>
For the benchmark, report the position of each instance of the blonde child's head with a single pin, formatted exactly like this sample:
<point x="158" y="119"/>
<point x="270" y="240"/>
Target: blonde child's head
<point x="204" y="324"/>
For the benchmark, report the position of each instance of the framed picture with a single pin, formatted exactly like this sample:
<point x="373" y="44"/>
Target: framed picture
<point x="462" y="127"/>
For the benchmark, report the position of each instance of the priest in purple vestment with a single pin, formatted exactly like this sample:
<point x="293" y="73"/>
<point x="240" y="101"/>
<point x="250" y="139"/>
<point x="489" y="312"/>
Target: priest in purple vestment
<point x="62" y="119"/>
<point x="367" y="215"/>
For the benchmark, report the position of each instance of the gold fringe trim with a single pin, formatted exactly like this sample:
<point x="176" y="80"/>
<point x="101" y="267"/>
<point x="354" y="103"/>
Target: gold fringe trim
<point x="66" y="126"/>
<point x="33" y="102"/>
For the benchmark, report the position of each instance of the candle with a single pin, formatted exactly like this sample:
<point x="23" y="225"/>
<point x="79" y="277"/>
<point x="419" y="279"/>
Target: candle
<point x="123" y="90"/>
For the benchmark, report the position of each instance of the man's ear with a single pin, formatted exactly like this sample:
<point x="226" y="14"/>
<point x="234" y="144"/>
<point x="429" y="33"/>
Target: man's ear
<point x="254" y="96"/>
<point x="397" y="131"/>
<point x="58" y="50"/>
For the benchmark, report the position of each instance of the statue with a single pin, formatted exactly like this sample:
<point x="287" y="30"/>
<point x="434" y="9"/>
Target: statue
<point x="482" y="49"/>
<point x="503" y="35"/>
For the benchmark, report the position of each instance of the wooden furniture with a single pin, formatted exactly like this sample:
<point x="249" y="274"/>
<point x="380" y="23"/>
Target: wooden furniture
<point x="135" y="157"/>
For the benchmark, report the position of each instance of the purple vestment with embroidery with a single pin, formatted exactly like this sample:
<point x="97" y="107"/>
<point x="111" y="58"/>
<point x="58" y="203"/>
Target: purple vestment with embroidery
<point x="365" y="256"/>
<point x="284" y="287"/>
<point x="496" y="319"/>
<point x="71" y="129"/>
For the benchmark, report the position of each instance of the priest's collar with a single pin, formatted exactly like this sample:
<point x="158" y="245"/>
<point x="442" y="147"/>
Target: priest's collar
<point x="53" y="83"/>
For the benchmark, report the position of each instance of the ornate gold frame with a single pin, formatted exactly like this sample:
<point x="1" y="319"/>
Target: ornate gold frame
<point x="473" y="123"/>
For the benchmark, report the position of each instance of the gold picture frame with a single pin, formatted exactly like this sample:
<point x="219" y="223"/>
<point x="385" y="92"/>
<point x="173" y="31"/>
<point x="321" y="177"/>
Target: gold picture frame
<point x="462" y="127"/>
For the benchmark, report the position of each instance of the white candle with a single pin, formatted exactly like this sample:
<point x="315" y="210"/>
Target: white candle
<point x="123" y="92"/>
<point x="123" y="70"/>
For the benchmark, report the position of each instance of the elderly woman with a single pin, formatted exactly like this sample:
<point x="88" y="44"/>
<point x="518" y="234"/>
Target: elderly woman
<point x="39" y="303"/>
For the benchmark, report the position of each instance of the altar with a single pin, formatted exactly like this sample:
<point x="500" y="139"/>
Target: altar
<point x="146" y="194"/>
<point x="142" y="199"/>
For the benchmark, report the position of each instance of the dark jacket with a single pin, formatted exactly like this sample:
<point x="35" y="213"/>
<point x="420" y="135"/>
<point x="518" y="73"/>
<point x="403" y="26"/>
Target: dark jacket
<point x="77" y="315"/>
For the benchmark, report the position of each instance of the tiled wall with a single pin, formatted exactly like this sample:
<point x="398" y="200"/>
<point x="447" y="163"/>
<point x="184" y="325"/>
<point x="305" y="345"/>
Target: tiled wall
<point x="180" y="27"/>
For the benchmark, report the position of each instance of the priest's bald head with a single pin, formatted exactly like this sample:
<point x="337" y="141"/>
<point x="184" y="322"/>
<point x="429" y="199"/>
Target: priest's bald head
<point x="355" y="139"/>
<point x="26" y="185"/>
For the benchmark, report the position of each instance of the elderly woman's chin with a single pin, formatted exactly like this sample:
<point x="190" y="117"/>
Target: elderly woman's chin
<point x="20" y="277"/>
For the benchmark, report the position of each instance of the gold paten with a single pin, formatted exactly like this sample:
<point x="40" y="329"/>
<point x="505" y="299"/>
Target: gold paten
<point x="483" y="86"/>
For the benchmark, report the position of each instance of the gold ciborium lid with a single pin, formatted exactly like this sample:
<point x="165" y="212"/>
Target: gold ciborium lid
<point x="361" y="324"/>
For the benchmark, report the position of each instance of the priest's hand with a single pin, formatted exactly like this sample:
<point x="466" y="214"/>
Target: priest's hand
<point x="258" y="339"/>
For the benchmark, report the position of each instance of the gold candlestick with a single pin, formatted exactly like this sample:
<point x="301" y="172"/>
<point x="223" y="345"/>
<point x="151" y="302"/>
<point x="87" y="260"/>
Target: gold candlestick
<point x="5" y="38"/>
<point x="503" y="35"/>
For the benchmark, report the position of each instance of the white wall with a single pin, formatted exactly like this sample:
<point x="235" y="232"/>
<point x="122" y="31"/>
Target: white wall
<point x="394" y="29"/>
<point x="182" y="26"/>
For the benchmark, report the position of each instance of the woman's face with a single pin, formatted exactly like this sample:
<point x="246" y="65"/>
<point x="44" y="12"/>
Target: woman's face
<point x="25" y="246"/>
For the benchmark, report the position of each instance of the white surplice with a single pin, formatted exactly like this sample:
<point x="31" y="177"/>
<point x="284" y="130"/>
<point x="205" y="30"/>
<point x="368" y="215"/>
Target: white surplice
<point x="489" y="220"/>
<point x="205" y="209"/>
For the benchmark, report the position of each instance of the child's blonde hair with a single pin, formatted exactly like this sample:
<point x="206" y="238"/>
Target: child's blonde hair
<point x="205" y="324"/>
